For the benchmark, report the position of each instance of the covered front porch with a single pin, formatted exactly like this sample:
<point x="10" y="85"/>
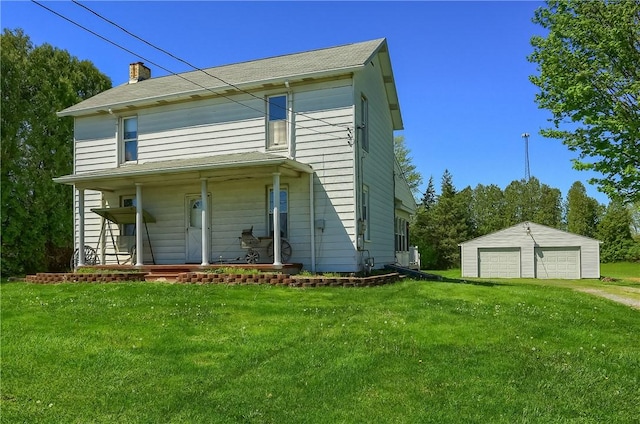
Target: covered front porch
<point x="159" y="189"/>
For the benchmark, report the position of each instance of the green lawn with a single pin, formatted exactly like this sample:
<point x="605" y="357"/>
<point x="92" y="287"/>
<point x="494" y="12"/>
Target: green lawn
<point x="620" y="279"/>
<point x="411" y="352"/>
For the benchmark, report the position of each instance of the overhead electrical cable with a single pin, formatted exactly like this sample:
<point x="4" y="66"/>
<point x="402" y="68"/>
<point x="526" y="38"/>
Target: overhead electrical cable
<point x="182" y="76"/>
<point x="179" y="59"/>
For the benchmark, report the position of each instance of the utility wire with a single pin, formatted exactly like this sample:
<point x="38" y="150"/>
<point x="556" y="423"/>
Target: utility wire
<point x="137" y="55"/>
<point x="190" y="64"/>
<point x="179" y="75"/>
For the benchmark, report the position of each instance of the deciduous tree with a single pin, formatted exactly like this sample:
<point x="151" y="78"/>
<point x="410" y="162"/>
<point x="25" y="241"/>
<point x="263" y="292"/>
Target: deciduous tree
<point x="37" y="146"/>
<point x="532" y="201"/>
<point x="488" y="208"/>
<point x="403" y="156"/>
<point x="589" y="78"/>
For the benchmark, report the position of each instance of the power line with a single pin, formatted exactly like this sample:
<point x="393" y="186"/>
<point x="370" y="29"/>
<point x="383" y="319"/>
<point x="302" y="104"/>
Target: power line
<point x="179" y="59"/>
<point x="179" y="75"/>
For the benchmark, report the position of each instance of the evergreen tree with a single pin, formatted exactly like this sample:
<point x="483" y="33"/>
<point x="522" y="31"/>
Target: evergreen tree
<point x="614" y="231"/>
<point x="450" y="223"/>
<point x="37" y="146"/>
<point x="582" y="211"/>
<point x="429" y="197"/>
<point x="421" y="232"/>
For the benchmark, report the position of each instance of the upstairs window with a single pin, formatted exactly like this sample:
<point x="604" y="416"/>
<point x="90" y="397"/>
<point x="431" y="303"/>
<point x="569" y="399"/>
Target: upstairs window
<point x="277" y="122"/>
<point x="130" y="139"/>
<point x="364" y="123"/>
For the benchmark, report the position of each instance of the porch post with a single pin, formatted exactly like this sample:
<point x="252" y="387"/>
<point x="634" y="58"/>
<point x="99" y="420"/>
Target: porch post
<point x="81" y="258"/>
<point x="139" y="226"/>
<point x="277" y="257"/>
<point x="205" y="222"/>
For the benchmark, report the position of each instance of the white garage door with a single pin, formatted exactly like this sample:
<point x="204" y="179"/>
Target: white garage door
<point x="557" y="262"/>
<point x="499" y="263"/>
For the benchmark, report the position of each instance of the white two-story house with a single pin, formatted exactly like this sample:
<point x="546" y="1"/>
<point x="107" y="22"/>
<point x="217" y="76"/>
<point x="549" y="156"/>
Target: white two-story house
<point x="195" y="158"/>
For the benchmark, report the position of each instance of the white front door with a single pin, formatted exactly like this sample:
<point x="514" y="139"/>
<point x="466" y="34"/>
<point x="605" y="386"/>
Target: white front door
<point x="193" y="215"/>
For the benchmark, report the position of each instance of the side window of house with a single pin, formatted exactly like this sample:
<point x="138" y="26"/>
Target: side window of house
<point x="366" y="212"/>
<point x="128" y="229"/>
<point x="277" y="122"/>
<point x="401" y="235"/>
<point x="130" y="139"/>
<point x="283" y="207"/>
<point x="364" y="123"/>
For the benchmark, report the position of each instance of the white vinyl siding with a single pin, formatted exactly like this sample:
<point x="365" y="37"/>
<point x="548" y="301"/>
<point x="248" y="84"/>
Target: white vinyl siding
<point x="95" y="145"/>
<point x="206" y="127"/>
<point x="325" y="147"/>
<point x="564" y="255"/>
<point x="377" y="165"/>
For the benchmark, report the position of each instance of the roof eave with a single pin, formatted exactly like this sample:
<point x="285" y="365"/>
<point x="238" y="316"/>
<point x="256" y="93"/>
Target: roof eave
<point x="124" y="173"/>
<point x="221" y="91"/>
<point x="382" y="51"/>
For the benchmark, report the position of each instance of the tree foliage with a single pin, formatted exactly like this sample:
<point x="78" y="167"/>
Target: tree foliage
<point x="447" y="223"/>
<point x="444" y="221"/>
<point x="583" y="212"/>
<point x="403" y="156"/>
<point x="615" y="233"/>
<point x="529" y="200"/>
<point x="589" y="78"/>
<point x="37" y="146"/>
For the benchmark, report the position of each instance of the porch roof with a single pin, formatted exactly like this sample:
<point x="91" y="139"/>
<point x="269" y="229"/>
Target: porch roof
<point x="227" y="167"/>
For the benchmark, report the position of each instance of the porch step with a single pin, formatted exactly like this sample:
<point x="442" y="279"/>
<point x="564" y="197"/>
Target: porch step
<point x="162" y="276"/>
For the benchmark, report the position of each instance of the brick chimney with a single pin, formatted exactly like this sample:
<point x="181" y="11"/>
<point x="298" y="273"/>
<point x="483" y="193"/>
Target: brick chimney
<point x="138" y="72"/>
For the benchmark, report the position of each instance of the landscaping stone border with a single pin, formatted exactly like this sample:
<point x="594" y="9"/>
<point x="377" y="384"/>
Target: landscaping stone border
<point x="285" y="279"/>
<point x="84" y="277"/>
<point x="211" y="278"/>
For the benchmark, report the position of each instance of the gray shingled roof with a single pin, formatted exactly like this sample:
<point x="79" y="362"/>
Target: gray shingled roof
<point x="344" y="58"/>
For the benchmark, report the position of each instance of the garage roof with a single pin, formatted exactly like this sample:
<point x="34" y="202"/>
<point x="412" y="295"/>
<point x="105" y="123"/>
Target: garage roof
<point x="533" y="230"/>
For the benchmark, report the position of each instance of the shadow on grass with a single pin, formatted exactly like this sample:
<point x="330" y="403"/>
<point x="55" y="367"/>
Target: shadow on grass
<point x="432" y="277"/>
<point x="485" y="283"/>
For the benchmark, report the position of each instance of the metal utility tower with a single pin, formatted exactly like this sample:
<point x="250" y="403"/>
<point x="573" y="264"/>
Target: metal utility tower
<point x="527" y="172"/>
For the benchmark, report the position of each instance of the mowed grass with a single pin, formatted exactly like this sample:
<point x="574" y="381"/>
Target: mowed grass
<point x="620" y="279"/>
<point x="411" y="352"/>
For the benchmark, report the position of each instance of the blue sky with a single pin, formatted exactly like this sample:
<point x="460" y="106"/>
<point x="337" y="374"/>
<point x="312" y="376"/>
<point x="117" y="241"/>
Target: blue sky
<point x="461" y="67"/>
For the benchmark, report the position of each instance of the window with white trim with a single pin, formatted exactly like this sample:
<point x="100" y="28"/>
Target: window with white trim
<point x="129" y="139"/>
<point x="277" y="122"/>
<point x="402" y="235"/>
<point x="283" y="210"/>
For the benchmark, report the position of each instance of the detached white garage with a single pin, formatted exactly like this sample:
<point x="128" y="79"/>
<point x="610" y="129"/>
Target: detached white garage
<point x="530" y="250"/>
